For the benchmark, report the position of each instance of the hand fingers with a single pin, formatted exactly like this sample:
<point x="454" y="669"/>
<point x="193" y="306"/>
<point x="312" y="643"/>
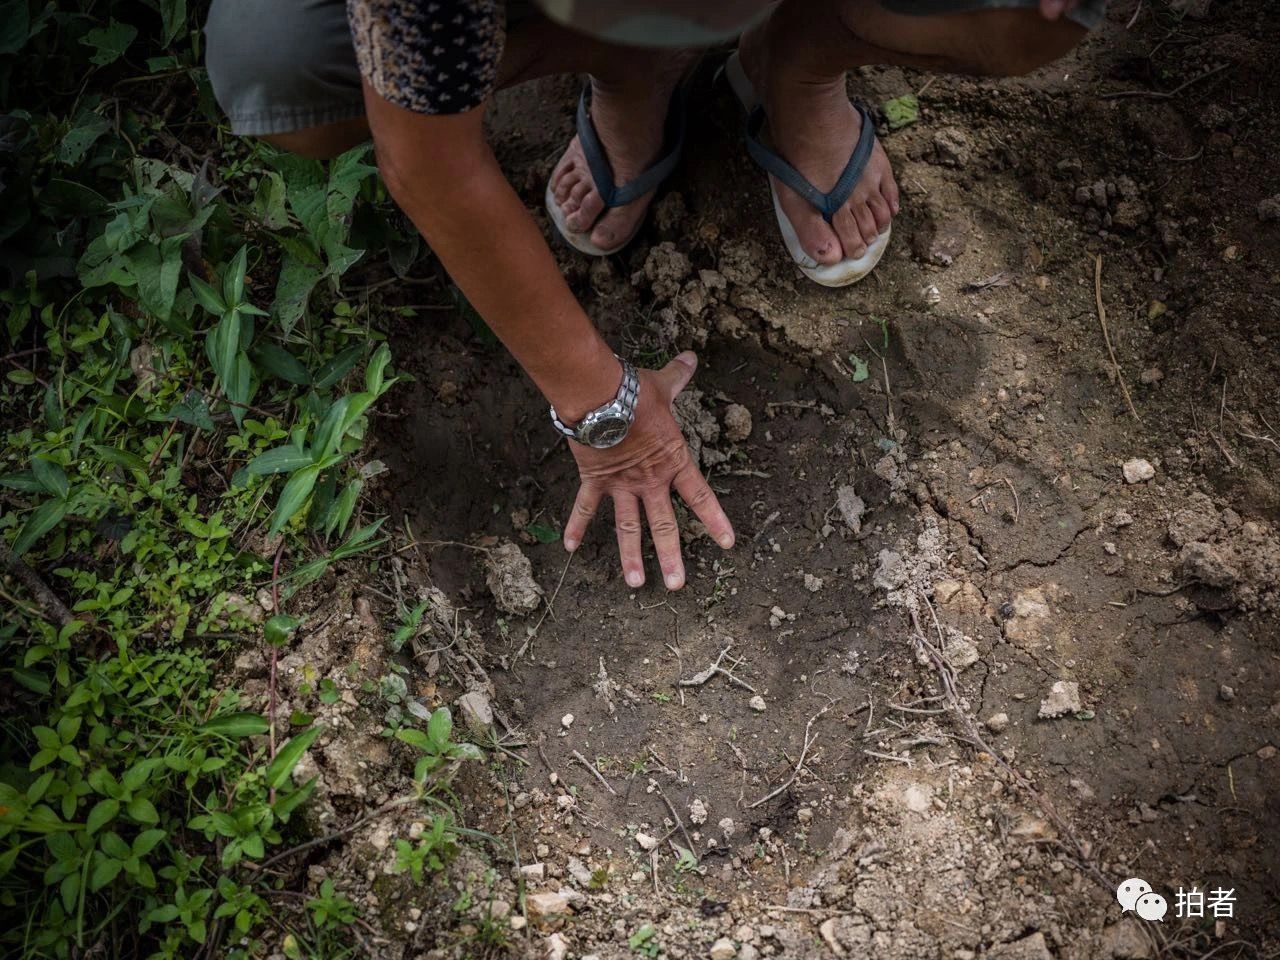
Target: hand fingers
<point x="584" y="509"/>
<point x="666" y="537"/>
<point x="693" y="489"/>
<point x="626" y="522"/>
<point x="675" y="376"/>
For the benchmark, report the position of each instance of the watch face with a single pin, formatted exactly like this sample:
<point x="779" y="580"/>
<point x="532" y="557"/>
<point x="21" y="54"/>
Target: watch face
<point x="606" y="432"/>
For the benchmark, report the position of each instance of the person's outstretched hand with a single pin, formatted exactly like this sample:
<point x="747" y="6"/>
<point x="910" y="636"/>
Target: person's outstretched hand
<point x="642" y="470"/>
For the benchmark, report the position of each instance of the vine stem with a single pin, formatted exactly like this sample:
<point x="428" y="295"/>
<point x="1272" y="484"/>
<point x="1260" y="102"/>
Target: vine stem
<point x="275" y="655"/>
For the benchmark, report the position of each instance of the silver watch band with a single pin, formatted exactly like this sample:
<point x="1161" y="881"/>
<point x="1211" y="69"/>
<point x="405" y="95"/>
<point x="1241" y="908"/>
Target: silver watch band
<point x="607" y="425"/>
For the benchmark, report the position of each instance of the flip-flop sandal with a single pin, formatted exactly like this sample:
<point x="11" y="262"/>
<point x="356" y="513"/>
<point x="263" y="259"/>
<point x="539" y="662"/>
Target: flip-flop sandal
<point x="615" y="194"/>
<point x="849" y="270"/>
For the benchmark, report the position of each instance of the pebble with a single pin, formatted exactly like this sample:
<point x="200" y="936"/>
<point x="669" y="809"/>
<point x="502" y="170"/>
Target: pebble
<point x="998" y="722"/>
<point x="1063" y="699"/>
<point x="723" y="949"/>
<point x="1138" y="470"/>
<point x="737" y="422"/>
<point x="567" y="720"/>
<point x="546" y="909"/>
<point x="698" y="812"/>
<point x="1227" y="693"/>
<point x="534" y="871"/>
<point x="646" y="842"/>
<point x="557" y="947"/>
<point x="477" y="712"/>
<point x="757" y="704"/>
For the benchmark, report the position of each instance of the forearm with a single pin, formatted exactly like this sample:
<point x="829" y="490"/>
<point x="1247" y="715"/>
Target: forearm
<point x="493" y="250"/>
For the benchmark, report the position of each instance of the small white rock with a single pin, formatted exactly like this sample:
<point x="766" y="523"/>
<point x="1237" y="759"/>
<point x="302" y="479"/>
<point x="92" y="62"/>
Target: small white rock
<point x="723" y="949"/>
<point x="1063" y="699"/>
<point x="998" y="722"/>
<point x="1138" y="470"/>
<point x="757" y="704"/>
<point x="646" y="842"/>
<point x="534" y="871"/>
<point x="698" y="812"/>
<point x="567" y="720"/>
<point x="737" y="422"/>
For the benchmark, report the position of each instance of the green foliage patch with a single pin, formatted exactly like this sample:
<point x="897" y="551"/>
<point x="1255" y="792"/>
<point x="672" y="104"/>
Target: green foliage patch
<point x="184" y="394"/>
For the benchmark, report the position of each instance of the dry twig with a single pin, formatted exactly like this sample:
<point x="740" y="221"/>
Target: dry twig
<point x="591" y="768"/>
<point x="1106" y="336"/>
<point x="804" y="751"/>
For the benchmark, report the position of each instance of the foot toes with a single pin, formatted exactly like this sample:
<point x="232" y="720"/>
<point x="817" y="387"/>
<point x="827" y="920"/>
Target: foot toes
<point x="562" y="187"/>
<point x="866" y="223"/>
<point x="879" y="207"/>
<point x="847" y="229"/>
<point x="588" y="211"/>
<point x="614" y="227"/>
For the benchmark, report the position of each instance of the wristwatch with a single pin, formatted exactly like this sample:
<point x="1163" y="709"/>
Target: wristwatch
<point x="606" y="426"/>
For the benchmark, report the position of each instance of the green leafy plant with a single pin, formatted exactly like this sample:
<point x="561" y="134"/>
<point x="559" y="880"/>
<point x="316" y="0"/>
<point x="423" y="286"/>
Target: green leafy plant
<point x="437" y="746"/>
<point x="437" y="845"/>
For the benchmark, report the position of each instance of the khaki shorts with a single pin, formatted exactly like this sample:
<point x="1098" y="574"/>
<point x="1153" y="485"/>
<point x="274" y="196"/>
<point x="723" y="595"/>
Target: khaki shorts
<point x="282" y="65"/>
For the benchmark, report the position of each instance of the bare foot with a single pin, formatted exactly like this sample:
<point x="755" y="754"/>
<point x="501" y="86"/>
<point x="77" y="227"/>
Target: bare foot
<point x="815" y="128"/>
<point x="630" y="120"/>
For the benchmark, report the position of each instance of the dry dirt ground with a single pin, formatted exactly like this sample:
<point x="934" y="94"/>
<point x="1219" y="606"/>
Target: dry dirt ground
<point x="976" y="666"/>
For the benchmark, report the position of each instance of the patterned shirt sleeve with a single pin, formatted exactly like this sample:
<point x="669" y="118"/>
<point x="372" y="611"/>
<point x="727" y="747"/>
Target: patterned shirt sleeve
<point x="429" y="56"/>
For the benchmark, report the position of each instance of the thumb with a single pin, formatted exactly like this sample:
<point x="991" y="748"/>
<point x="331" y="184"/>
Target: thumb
<point x="675" y="376"/>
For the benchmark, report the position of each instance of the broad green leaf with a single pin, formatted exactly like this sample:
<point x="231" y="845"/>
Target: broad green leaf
<point x="221" y="344"/>
<point x="902" y="111"/>
<point x="238" y="725"/>
<point x="113" y="846"/>
<point x="287" y="803"/>
<point x="440" y="726"/>
<point x="207" y="296"/>
<point x="278" y="362"/>
<point x="233" y="278"/>
<point x="415" y="738"/>
<point x="543" y="532"/>
<point x="278" y="772"/>
<point x="86" y="128"/>
<point x="292" y="497"/>
<point x="338" y="367"/>
<point x="146" y="841"/>
<point x="329" y="432"/>
<point x="279" y="629"/>
<point x="158" y="270"/>
<point x="103" y="812"/>
<point x="284" y="459"/>
<point x="51" y="476"/>
<point x="860" y="370"/>
<point x="173" y="16"/>
<point x="142" y="810"/>
<point x="343" y="508"/>
<point x="268" y="201"/>
<point x="39" y="522"/>
<point x="121" y="458"/>
<point x="300" y="271"/>
<point x="105" y="870"/>
<point x="24" y="482"/>
<point x="193" y="410"/>
<point x="110" y="42"/>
